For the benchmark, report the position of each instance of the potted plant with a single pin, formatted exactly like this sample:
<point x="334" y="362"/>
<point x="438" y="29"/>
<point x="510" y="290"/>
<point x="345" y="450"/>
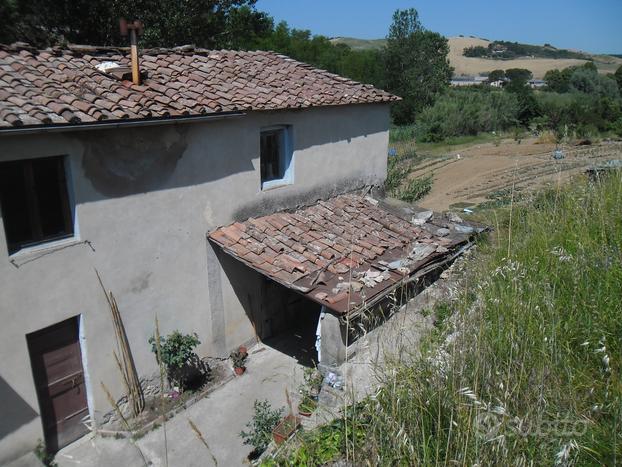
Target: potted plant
<point x="285" y="428"/>
<point x="309" y="391"/>
<point x="313" y="381"/>
<point x="288" y="425"/>
<point x="307" y="406"/>
<point x="238" y="358"/>
<point x="260" y="427"/>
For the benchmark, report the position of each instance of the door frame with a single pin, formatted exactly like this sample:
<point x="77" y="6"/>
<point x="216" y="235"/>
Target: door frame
<point x="85" y="368"/>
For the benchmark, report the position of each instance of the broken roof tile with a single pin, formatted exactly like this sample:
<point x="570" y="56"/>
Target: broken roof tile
<point x="233" y="233"/>
<point x="329" y="253"/>
<point x="332" y="299"/>
<point x="312" y="249"/>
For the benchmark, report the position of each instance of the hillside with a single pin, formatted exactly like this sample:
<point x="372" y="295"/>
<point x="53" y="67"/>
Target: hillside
<point x="538" y="66"/>
<point x="474" y="66"/>
<point x="359" y="44"/>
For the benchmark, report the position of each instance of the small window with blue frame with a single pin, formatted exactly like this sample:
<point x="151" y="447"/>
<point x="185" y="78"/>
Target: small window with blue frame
<point x="275" y="157"/>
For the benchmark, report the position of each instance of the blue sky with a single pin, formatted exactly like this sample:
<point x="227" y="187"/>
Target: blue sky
<point x="594" y="26"/>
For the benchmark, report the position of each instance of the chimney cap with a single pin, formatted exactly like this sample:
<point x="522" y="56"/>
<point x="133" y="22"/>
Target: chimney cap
<point x="125" y="26"/>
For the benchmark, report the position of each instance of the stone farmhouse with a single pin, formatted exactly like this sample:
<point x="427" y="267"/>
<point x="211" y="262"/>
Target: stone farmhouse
<point x="226" y="192"/>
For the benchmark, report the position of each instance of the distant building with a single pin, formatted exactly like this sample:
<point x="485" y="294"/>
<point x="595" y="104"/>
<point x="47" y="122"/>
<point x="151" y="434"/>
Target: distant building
<point x="477" y="80"/>
<point x="468" y="80"/>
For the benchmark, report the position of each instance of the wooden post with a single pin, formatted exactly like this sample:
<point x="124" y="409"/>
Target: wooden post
<point x="133" y="29"/>
<point x="134" y="54"/>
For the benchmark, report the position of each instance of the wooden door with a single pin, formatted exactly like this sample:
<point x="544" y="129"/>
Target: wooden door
<point x="59" y="379"/>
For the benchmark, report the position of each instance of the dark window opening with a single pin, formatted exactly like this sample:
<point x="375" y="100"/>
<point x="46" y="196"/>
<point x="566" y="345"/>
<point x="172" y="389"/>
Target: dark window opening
<point x="271" y="167"/>
<point x="275" y="155"/>
<point x="34" y="201"/>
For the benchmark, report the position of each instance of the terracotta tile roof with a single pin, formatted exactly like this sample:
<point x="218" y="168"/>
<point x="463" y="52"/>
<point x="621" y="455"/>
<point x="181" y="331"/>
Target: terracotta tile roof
<point x="64" y="86"/>
<point x="348" y="246"/>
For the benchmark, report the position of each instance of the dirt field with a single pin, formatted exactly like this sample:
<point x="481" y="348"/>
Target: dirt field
<point x="538" y="66"/>
<point x="483" y="172"/>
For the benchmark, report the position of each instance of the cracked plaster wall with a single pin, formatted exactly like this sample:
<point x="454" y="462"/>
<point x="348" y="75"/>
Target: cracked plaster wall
<point x="144" y="200"/>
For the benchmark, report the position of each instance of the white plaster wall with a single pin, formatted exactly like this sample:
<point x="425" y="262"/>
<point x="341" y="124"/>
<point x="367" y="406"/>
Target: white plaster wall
<point x="148" y="233"/>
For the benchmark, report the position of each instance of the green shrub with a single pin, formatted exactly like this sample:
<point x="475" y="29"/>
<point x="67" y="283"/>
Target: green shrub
<point x="398" y="168"/>
<point x="183" y="366"/>
<point x="415" y="189"/>
<point x="578" y="109"/>
<point x="401" y="133"/>
<point x="176" y="349"/>
<point x="590" y="104"/>
<point x="396" y="172"/>
<point x="593" y="83"/>
<point x="467" y="112"/>
<point x="616" y="127"/>
<point x="260" y="427"/>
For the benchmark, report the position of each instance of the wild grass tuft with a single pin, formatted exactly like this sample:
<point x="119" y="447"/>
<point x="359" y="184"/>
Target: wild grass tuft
<point x="415" y="189"/>
<point x="397" y="183"/>
<point x="525" y="369"/>
<point x="401" y="133"/>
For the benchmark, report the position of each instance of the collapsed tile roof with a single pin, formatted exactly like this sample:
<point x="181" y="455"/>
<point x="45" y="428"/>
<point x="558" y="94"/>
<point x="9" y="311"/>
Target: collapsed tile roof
<point x="345" y="251"/>
<point x="66" y="86"/>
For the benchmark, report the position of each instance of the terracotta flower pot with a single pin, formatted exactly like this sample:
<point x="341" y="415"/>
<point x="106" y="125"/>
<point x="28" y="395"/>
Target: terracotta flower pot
<point x="285" y="428"/>
<point x="239" y="370"/>
<point x="307" y="407"/>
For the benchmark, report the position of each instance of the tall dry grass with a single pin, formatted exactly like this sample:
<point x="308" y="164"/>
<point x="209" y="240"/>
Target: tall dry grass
<point x="525" y="368"/>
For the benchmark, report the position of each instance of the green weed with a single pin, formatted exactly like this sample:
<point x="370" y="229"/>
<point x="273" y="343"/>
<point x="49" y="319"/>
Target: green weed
<point x="525" y="366"/>
<point x="44" y="456"/>
<point x="397" y="183"/>
<point x="415" y="189"/>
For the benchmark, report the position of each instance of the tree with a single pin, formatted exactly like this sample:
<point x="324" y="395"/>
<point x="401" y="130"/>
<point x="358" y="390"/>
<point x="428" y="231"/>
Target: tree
<point x="416" y="64"/>
<point x="558" y="80"/>
<point x="476" y="51"/>
<point x="589" y="65"/>
<point x="168" y="23"/>
<point x="518" y="75"/>
<point x="361" y="65"/>
<point x="591" y="82"/>
<point x="246" y="27"/>
<point x="618" y="77"/>
<point x="528" y="107"/>
<point x="496" y="75"/>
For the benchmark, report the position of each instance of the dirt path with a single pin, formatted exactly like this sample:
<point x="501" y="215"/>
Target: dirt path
<point x="472" y="175"/>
